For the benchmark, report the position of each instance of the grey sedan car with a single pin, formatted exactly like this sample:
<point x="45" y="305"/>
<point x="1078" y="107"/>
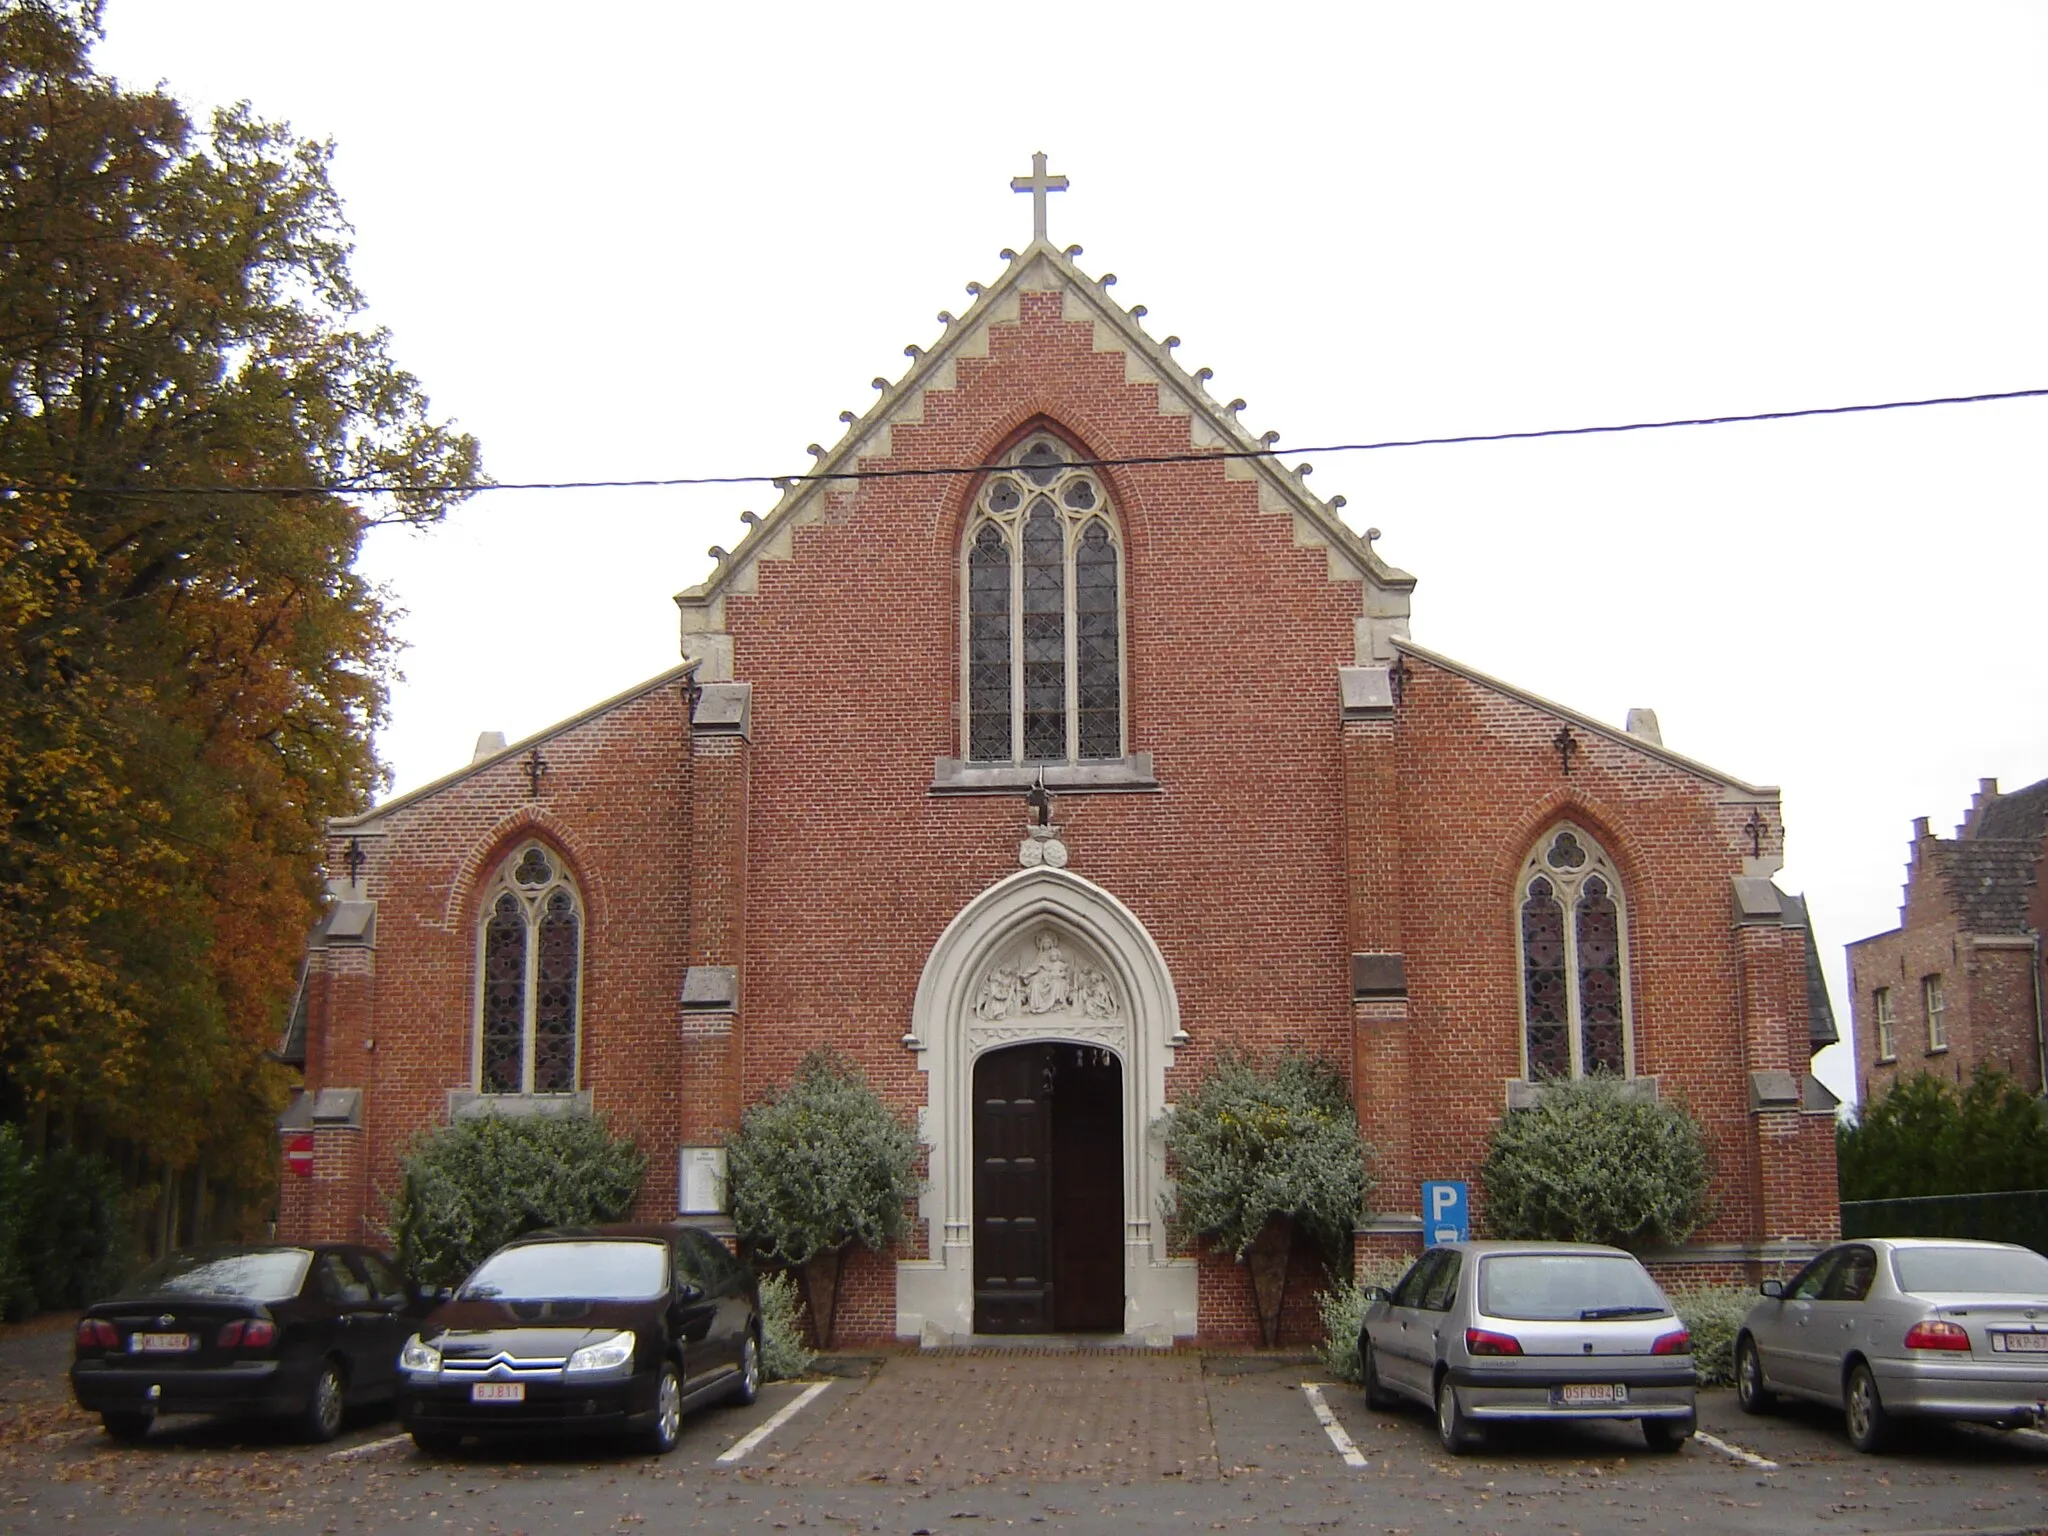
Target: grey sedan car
<point x="1908" y="1326"/>
<point x="1482" y="1332"/>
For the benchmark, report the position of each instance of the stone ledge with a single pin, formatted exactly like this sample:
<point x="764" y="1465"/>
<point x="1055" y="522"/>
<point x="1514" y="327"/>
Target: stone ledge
<point x="955" y="776"/>
<point x="466" y="1104"/>
<point x="1523" y="1094"/>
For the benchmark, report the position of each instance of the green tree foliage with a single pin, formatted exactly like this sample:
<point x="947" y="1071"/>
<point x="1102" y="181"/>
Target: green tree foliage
<point x="62" y="1237"/>
<point x="467" y="1188"/>
<point x="1260" y="1139"/>
<point x="1597" y="1162"/>
<point x="1927" y="1137"/>
<point x="1262" y="1151"/>
<point x="816" y="1167"/>
<point x="190" y="667"/>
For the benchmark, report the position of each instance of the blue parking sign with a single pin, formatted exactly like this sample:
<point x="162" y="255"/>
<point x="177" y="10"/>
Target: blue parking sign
<point x="1446" y="1213"/>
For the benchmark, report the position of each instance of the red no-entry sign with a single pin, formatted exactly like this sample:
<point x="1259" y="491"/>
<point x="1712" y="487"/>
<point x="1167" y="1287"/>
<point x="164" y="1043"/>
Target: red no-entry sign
<point x="298" y="1153"/>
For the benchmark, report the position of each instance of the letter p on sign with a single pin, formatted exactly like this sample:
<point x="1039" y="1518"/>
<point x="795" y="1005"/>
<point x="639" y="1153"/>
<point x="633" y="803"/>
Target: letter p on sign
<point x="1446" y="1213"/>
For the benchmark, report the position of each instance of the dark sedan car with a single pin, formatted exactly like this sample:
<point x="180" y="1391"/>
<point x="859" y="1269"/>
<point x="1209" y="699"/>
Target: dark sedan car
<point x="295" y="1331"/>
<point x="616" y="1329"/>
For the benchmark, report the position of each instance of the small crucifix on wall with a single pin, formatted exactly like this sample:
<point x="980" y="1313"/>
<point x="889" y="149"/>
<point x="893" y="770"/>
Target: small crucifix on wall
<point x="1756" y="827"/>
<point x="536" y="770"/>
<point x="1397" y="678"/>
<point x="1567" y="747"/>
<point x="355" y="859"/>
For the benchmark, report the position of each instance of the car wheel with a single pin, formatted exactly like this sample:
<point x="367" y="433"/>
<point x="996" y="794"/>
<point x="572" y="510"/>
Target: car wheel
<point x="1751" y="1395"/>
<point x="667" y="1427"/>
<point x="1376" y="1393"/>
<point x="1457" y="1432"/>
<point x="1868" y="1422"/>
<point x="1667" y="1435"/>
<point x="126" y="1427"/>
<point x="436" y="1442"/>
<point x="750" y="1372"/>
<point x="324" y="1404"/>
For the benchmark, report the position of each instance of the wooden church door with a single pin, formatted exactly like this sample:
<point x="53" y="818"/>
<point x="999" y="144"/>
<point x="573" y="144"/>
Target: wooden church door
<point x="1048" y="1190"/>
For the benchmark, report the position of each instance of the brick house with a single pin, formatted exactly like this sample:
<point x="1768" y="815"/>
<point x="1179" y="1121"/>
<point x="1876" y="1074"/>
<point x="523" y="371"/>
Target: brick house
<point x="1960" y="981"/>
<point x="1270" y="818"/>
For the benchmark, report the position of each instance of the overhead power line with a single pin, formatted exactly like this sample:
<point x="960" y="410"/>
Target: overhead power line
<point x="1193" y="456"/>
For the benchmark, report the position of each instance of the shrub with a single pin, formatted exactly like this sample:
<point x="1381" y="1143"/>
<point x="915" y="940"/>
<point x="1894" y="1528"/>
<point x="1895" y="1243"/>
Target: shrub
<point x="17" y="1295"/>
<point x="76" y="1246"/>
<point x="783" y="1356"/>
<point x="470" y="1187"/>
<point x="816" y="1167"/>
<point x="1596" y="1162"/>
<point x="1713" y="1314"/>
<point x="1342" y="1309"/>
<point x="1261" y="1150"/>
<point x="1927" y="1137"/>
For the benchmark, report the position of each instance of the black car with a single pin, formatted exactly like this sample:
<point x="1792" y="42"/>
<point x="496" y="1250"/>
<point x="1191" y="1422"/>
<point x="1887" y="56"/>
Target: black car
<point x="281" y="1330"/>
<point x="616" y="1329"/>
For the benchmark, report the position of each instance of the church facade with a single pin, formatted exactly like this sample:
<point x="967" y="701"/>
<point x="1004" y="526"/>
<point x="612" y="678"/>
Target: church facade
<point x="1048" y="739"/>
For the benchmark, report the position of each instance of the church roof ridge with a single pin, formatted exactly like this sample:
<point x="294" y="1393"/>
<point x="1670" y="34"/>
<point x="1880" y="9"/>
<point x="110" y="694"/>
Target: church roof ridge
<point x="546" y="733"/>
<point x="800" y="491"/>
<point x="1614" y="733"/>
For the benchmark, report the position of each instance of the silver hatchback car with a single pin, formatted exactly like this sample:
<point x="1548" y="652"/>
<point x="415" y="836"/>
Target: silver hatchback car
<point x="1488" y="1331"/>
<point x="1891" y="1327"/>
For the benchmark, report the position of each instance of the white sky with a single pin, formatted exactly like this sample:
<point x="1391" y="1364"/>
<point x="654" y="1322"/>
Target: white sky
<point x="653" y="240"/>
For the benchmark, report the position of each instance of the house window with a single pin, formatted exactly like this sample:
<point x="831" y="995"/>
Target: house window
<point x="1881" y="1015"/>
<point x="1937" y="1023"/>
<point x="1042" y="615"/>
<point x="1573" y="931"/>
<point x="531" y="951"/>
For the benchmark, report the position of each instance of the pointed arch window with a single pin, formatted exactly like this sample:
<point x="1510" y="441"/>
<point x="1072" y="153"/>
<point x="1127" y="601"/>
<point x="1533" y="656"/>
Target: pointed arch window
<point x="530" y="973"/>
<point x="1572" y="926"/>
<point x="1042" y="613"/>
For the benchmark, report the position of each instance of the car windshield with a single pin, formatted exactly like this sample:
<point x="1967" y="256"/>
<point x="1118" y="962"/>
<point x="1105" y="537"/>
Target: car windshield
<point x="600" y="1271"/>
<point x="2003" y="1270"/>
<point x="1560" y="1287"/>
<point x="264" y="1274"/>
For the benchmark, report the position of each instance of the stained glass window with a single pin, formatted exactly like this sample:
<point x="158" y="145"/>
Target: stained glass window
<point x="1574" y="949"/>
<point x="1042" y="646"/>
<point x="530" y="979"/>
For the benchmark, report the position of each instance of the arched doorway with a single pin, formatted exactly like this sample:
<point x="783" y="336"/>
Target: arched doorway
<point x="1046" y="958"/>
<point x="1048" y="1190"/>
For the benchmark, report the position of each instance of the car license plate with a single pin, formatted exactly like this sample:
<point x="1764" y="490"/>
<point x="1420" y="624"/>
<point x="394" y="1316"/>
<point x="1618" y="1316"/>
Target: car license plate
<point x="1579" y="1394"/>
<point x="498" y="1392"/>
<point x="2021" y="1343"/>
<point x="160" y="1343"/>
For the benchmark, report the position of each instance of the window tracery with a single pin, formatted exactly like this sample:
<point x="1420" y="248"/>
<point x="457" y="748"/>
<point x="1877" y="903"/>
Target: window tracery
<point x="1573" y="944"/>
<point x="1042" y="643"/>
<point x="530" y="978"/>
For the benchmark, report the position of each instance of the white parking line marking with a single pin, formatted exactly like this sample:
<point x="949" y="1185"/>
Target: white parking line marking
<point x="363" y="1450"/>
<point x="748" y="1442"/>
<point x="1313" y="1391"/>
<point x="1735" y="1451"/>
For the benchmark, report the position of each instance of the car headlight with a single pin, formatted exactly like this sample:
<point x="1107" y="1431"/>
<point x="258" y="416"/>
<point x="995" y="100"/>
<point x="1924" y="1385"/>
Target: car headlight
<point x="418" y="1355"/>
<point x="605" y="1355"/>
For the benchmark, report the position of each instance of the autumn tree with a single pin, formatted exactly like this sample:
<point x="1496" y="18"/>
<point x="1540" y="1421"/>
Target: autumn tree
<point x="194" y="427"/>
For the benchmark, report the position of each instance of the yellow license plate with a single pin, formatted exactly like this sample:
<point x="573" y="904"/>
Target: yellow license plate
<point x="498" y="1392"/>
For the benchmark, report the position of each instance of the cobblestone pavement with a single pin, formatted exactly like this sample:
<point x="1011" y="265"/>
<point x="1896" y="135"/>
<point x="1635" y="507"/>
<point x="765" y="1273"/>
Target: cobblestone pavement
<point x="960" y="1417"/>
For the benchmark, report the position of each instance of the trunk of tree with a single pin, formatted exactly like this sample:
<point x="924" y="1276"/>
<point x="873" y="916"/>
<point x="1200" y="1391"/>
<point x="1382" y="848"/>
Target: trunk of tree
<point x="819" y="1278"/>
<point x="1266" y="1267"/>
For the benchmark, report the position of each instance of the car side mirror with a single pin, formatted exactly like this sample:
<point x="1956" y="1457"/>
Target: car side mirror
<point x="441" y="1293"/>
<point x="689" y="1292"/>
<point x="1775" y="1289"/>
<point x="1373" y="1293"/>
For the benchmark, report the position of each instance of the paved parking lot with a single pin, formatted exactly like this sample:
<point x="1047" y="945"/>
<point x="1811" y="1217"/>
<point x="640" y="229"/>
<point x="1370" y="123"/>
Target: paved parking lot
<point x="1070" y="1440"/>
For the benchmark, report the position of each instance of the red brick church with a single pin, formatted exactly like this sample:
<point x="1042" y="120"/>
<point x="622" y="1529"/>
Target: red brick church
<point x="1046" y="556"/>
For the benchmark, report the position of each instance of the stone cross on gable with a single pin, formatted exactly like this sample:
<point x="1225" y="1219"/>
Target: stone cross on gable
<point x="1038" y="184"/>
